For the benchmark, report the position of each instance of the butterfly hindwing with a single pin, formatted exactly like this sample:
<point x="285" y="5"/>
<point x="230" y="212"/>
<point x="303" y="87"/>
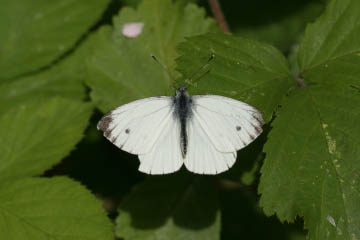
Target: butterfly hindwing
<point x="165" y="157"/>
<point x="202" y="156"/>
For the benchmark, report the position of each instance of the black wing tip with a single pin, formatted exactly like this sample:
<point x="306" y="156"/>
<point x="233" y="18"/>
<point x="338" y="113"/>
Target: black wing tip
<point x="104" y="122"/>
<point x="258" y="124"/>
<point x="258" y="130"/>
<point x="258" y="116"/>
<point x="252" y="137"/>
<point x="262" y="122"/>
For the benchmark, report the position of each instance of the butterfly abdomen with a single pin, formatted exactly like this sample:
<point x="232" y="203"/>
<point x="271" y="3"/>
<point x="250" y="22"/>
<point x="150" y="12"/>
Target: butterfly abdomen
<point x="182" y="103"/>
<point x="183" y="138"/>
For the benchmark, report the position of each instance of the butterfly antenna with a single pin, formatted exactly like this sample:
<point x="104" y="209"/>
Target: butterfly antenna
<point x="203" y="66"/>
<point x="164" y="68"/>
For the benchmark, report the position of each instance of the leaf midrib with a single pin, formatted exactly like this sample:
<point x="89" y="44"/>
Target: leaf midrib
<point x="329" y="157"/>
<point x="260" y="65"/>
<point x="51" y="235"/>
<point x="26" y="222"/>
<point x="305" y="70"/>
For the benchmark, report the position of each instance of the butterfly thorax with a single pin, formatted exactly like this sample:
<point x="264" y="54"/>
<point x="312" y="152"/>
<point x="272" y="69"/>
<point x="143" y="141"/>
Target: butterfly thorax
<point x="182" y="102"/>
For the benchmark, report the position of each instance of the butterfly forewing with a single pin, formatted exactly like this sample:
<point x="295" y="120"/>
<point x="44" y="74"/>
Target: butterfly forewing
<point x="229" y="124"/>
<point x="136" y="126"/>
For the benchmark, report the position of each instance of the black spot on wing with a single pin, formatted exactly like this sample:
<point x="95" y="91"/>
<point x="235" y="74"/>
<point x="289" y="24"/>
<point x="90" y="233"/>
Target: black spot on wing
<point x="238" y="128"/>
<point x="127" y="131"/>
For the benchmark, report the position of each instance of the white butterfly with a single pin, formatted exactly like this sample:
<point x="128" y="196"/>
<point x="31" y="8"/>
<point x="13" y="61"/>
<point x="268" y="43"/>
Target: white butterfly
<point x="203" y="132"/>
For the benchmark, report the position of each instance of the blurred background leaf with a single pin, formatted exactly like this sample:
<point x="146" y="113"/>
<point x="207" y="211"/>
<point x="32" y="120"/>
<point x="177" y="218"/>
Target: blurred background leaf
<point x="278" y="23"/>
<point x="176" y="206"/>
<point x="243" y="218"/>
<point x="35" y="33"/>
<point x="64" y="79"/>
<point x="57" y="208"/>
<point x="39" y="134"/>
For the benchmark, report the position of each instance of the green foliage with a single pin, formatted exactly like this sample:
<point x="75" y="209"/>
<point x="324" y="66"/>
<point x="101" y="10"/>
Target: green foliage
<point x="42" y="118"/>
<point x="334" y="35"/>
<point x="63" y="80"/>
<point x="39" y="134"/>
<point x="170" y="207"/>
<point x="315" y="135"/>
<point x="277" y="22"/>
<point x="57" y="208"/>
<point x="243" y="69"/>
<point x="59" y="60"/>
<point x="34" y="33"/>
<point x="121" y="69"/>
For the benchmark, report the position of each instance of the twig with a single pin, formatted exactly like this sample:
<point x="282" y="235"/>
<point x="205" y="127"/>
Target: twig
<point x="300" y="81"/>
<point x="357" y="88"/>
<point x="229" y="185"/>
<point x="219" y="16"/>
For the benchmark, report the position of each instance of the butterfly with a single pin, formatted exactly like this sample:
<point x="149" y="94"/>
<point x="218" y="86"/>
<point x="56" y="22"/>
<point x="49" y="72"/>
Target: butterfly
<point x="203" y="132"/>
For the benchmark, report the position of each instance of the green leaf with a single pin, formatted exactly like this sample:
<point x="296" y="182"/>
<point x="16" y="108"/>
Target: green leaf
<point x="170" y="207"/>
<point x="121" y="68"/>
<point x="131" y="3"/>
<point x="334" y="36"/>
<point x="293" y="59"/>
<point x="34" y="33"/>
<point x="246" y="169"/>
<point x="37" y="134"/>
<point x="243" y="69"/>
<point x="242" y="218"/>
<point x="312" y="155"/>
<point x="64" y="79"/>
<point x="56" y="208"/>
<point x="281" y="25"/>
<point x="312" y="162"/>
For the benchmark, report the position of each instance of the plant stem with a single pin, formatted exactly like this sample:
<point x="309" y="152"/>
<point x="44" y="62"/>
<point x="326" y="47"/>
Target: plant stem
<point x="300" y="81"/>
<point x="219" y="16"/>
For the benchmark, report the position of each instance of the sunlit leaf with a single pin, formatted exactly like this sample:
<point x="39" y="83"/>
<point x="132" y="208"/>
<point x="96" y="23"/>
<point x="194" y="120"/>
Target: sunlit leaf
<point x="57" y="208"/>
<point x="34" y="33"/>
<point x="38" y="134"/>
<point x="65" y="79"/>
